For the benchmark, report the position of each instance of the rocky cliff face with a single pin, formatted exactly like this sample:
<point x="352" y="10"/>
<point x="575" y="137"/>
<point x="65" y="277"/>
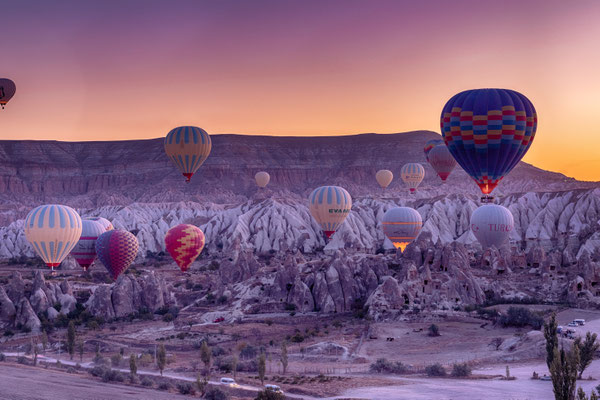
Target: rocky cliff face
<point x="553" y="251"/>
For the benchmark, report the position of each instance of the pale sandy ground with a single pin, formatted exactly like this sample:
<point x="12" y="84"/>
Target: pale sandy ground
<point x="523" y="388"/>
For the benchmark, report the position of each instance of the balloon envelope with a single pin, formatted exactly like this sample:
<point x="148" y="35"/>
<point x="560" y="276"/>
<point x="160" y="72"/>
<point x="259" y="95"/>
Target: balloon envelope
<point x="106" y="224"/>
<point x="491" y="224"/>
<point x="84" y="251"/>
<point x="184" y="243"/>
<point x="412" y="174"/>
<point x="117" y="249"/>
<point x="262" y="179"/>
<point x="329" y="206"/>
<point x="384" y="177"/>
<point x="188" y="147"/>
<point x="7" y="91"/>
<point x="53" y="230"/>
<point x="430" y="145"/>
<point x="442" y="161"/>
<point x="488" y="131"/>
<point x="401" y="225"/>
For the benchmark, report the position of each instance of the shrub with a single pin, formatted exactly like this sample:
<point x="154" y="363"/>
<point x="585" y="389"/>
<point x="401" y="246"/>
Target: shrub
<point x="382" y="365"/>
<point x="215" y="394"/>
<point x="8" y="332"/>
<point x="146" y="382"/>
<point x="111" y="375"/>
<point x="145" y="360"/>
<point x="99" y="370"/>
<point x="116" y="360"/>
<point x="434" y="330"/>
<point x="297" y="338"/>
<point x="269" y="395"/>
<point x="435" y="370"/>
<point x="71" y="370"/>
<point x="461" y="370"/>
<point x="185" y="388"/>
<point x="290" y="307"/>
<point x="2" y="357"/>
<point x="22" y="360"/>
<point x="164" y="385"/>
<point x="168" y="317"/>
<point x="520" y="317"/>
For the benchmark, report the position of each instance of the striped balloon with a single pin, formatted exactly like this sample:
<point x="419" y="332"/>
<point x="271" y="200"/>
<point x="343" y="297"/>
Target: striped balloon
<point x="117" y="249"/>
<point x="262" y="179"/>
<point x="188" y="147"/>
<point x="184" y="243"/>
<point x="442" y="161"/>
<point x="84" y="251"/>
<point x="329" y="206"/>
<point x="401" y="225"/>
<point x="106" y="224"/>
<point x="430" y="145"/>
<point x="7" y="91"/>
<point x="488" y="131"/>
<point x="491" y="224"/>
<point x="412" y="174"/>
<point x="384" y="177"/>
<point x="53" y="230"/>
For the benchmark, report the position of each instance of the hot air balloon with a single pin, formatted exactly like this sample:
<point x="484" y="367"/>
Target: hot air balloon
<point x="84" y="251"/>
<point x="384" y="177"/>
<point x="262" y="179"/>
<point x="117" y="249"/>
<point x="442" y="161"/>
<point x="53" y="230"/>
<point x="430" y="145"/>
<point x="412" y="174"/>
<point x="488" y="131"/>
<point x="401" y="225"/>
<point x="7" y="91"/>
<point x="106" y="224"/>
<point x="184" y="243"/>
<point x="329" y="206"/>
<point x="188" y="147"/>
<point x="491" y="224"/>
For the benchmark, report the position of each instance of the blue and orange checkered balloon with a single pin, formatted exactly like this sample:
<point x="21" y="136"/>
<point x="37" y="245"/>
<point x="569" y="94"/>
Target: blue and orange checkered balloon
<point x="488" y="131"/>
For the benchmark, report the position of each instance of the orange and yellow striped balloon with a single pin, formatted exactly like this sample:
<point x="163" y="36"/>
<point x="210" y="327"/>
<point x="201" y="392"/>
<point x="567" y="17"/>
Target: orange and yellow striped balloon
<point x="188" y="147"/>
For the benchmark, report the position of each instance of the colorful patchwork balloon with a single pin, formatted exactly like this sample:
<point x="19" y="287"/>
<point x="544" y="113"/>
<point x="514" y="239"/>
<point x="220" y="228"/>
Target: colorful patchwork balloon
<point x="53" y="230"/>
<point x="117" y="249"/>
<point x="329" y="206"/>
<point x="442" y="161"/>
<point x="488" y="131"/>
<point x="384" y="177"/>
<point x="184" y="243"/>
<point x="430" y="145"/>
<point x="401" y="225"/>
<point x="106" y="224"/>
<point x="491" y="224"/>
<point x="84" y="251"/>
<point x="7" y="91"/>
<point x="412" y="174"/>
<point x="188" y="147"/>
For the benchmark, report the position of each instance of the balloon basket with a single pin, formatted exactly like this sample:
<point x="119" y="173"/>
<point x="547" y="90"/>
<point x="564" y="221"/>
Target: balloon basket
<point x="487" y="199"/>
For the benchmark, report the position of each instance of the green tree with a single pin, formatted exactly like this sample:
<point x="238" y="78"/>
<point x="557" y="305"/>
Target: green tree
<point x="587" y="349"/>
<point x="132" y="365"/>
<point x="44" y="341"/>
<point x="550" y="333"/>
<point x="284" y="356"/>
<point x="161" y="358"/>
<point x="262" y="367"/>
<point x="234" y="365"/>
<point x="563" y="371"/>
<point x="202" y="384"/>
<point x="35" y="350"/>
<point x="71" y="339"/>
<point x="581" y="395"/>
<point x="205" y="355"/>
<point x="80" y="350"/>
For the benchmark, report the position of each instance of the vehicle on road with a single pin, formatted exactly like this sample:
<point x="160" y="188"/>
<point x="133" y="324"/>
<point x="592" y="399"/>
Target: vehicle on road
<point x="274" y="388"/>
<point x="573" y="324"/>
<point x="546" y="378"/>
<point x="579" y="322"/>
<point x="220" y="319"/>
<point x="559" y="329"/>
<point x="228" y="382"/>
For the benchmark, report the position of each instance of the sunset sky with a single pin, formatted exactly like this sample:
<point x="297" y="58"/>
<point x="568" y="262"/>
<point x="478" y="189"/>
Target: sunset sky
<point x="115" y="70"/>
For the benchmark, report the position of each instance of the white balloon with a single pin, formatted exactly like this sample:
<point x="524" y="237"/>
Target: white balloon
<point x="262" y="178"/>
<point x="491" y="224"/>
<point x="384" y="177"/>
